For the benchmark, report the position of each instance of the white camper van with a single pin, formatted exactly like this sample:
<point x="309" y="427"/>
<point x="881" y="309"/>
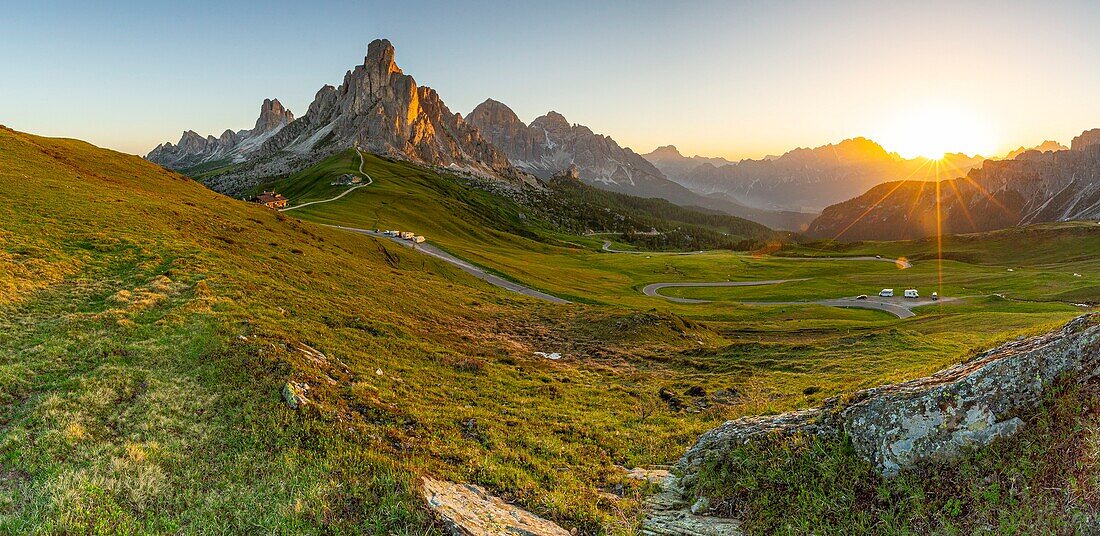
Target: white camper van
<point x="911" y="293"/>
<point x="887" y="293"/>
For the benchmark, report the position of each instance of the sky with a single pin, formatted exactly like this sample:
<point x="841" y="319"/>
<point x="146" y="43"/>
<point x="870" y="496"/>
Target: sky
<point x="716" y="78"/>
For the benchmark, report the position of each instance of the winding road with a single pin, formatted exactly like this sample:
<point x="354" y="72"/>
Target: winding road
<point x="431" y="250"/>
<point x="653" y="288"/>
<point x="475" y="271"/>
<point x="346" y="192"/>
<point x="899" y="307"/>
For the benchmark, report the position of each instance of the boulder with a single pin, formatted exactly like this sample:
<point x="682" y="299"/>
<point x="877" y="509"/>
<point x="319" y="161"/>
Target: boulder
<point x="467" y="510"/>
<point x="294" y="394"/>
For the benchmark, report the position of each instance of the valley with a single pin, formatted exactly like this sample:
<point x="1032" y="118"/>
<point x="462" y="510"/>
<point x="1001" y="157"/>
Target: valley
<point x="348" y="315"/>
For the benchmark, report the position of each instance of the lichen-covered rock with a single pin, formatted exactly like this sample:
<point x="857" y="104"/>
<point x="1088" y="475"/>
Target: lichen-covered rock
<point x="467" y="510"/>
<point x="931" y="418"/>
<point x="294" y="394"/>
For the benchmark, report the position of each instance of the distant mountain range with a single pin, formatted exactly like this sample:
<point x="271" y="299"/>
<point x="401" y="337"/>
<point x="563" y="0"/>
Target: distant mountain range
<point x="804" y="180"/>
<point x="1033" y="187"/>
<point x="193" y="149"/>
<point x="550" y="145"/>
<point x="380" y="109"/>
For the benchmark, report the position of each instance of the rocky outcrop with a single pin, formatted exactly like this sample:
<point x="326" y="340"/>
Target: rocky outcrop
<point x="193" y="150"/>
<point x="933" y="418"/>
<point x="467" y="510"/>
<point x="1034" y="187"/>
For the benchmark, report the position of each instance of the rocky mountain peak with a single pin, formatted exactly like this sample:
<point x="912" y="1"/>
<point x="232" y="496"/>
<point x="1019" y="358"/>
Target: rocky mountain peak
<point x="665" y="151"/>
<point x="272" y="116"/>
<point x="496" y="113"/>
<point x="552" y="121"/>
<point x="380" y="57"/>
<point x="1087" y="138"/>
<point x="1046" y="146"/>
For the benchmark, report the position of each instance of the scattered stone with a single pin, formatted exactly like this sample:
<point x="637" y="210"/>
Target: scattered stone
<point x="701" y="505"/>
<point x="653" y="476"/>
<point x="294" y="394"/>
<point x="467" y="510"/>
<point x="931" y="418"/>
<point x="670" y="398"/>
<point x="696" y="390"/>
<point x="554" y="356"/>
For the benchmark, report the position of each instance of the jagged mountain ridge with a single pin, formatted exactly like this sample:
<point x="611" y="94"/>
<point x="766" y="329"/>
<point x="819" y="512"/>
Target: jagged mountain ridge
<point x="672" y="163"/>
<point x="1034" y="187"/>
<point x="808" y="179"/>
<point x="1046" y="146"/>
<point x="550" y="146"/>
<point x="193" y="149"/>
<point x="377" y="107"/>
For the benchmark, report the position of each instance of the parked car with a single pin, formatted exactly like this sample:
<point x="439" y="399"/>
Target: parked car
<point x="935" y="296"/>
<point x="861" y="297"/>
<point x="911" y="293"/>
<point x="886" y="293"/>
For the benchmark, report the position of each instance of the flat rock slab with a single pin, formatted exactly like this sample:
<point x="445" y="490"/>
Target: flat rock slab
<point x="668" y="514"/>
<point x="467" y="510"/>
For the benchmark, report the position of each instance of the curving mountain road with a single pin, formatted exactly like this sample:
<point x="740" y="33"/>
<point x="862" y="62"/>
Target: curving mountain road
<point x="346" y="192"/>
<point x="899" y="307"/>
<point x="475" y="271"/>
<point x="653" y="288"/>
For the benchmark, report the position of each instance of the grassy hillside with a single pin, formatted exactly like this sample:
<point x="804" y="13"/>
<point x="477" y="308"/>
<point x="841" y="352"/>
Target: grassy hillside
<point x="148" y="324"/>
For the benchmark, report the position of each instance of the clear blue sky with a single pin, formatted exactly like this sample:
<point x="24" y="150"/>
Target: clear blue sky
<point x="713" y="77"/>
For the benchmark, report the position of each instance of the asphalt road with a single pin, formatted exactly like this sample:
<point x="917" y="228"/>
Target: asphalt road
<point x="653" y="288"/>
<point x="899" y="307"/>
<point x="479" y="273"/>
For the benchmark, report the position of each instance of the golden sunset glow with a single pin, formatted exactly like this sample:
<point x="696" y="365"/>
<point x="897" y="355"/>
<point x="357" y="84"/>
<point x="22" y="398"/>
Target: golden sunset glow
<point x="933" y="130"/>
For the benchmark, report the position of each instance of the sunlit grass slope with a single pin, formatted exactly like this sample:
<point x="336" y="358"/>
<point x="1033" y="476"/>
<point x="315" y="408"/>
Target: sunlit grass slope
<point x="147" y="325"/>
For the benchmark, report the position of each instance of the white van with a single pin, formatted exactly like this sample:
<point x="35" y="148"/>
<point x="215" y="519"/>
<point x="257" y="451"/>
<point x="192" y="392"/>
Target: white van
<point x="911" y="293"/>
<point x="887" y="293"/>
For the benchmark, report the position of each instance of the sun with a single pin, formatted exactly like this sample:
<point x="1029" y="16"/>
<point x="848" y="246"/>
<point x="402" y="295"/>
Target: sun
<point x="934" y="130"/>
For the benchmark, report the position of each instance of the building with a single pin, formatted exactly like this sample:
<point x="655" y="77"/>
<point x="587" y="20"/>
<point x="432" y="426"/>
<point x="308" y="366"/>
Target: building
<point x="271" y="200"/>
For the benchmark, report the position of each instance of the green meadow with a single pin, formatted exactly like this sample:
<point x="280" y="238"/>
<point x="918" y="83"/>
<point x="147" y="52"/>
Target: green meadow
<point x="147" y="325"/>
